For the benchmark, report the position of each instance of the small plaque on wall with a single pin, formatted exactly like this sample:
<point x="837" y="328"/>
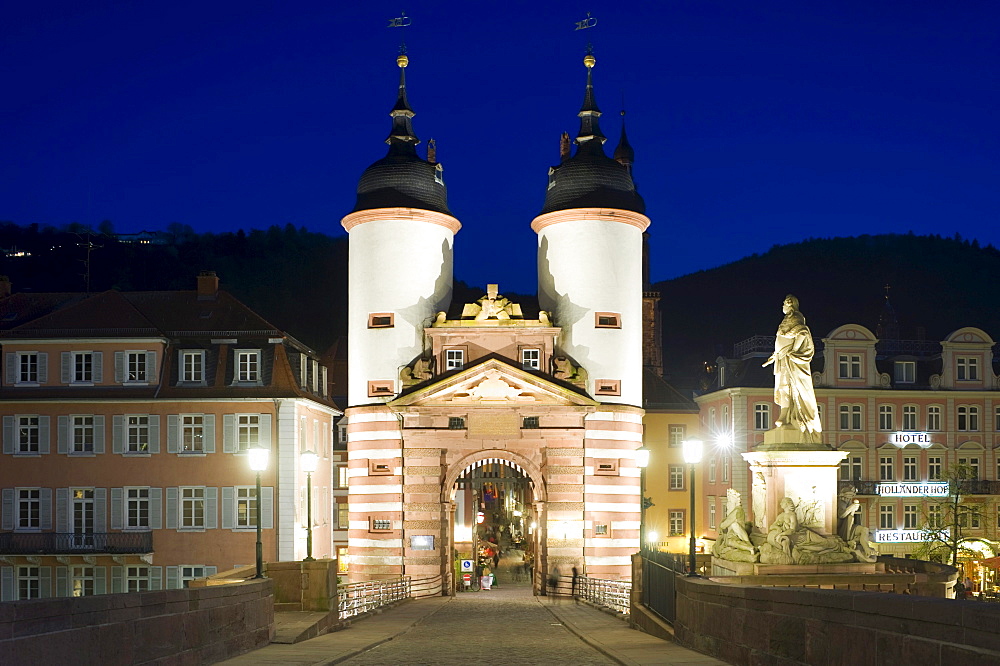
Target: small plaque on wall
<point x="494" y="425"/>
<point x="422" y="542"/>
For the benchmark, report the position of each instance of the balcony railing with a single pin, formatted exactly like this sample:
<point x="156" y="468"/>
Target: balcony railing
<point x="55" y="543"/>
<point x="968" y="486"/>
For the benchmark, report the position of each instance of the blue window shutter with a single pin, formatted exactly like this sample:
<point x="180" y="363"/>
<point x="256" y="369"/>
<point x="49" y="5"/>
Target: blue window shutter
<point x="44" y="435"/>
<point x="7" y="584"/>
<point x="8" y="434"/>
<point x="173" y="433"/>
<point x="173" y="578"/>
<point x="43" y="367"/>
<point x="228" y="508"/>
<point x="62" y="510"/>
<point x="7" y="509"/>
<point x="45" y="501"/>
<point x="172" y="509"/>
<point x="98" y="367"/>
<point x="62" y="438"/>
<point x="117" y="508"/>
<point x="211" y="508"/>
<point x="154" y="433"/>
<point x="98" y="434"/>
<point x="62" y="581"/>
<point x="155" y="508"/>
<point x="45" y="582"/>
<point x="267" y="508"/>
<point x="265" y="430"/>
<point x="117" y="580"/>
<point x="155" y="578"/>
<point x="66" y="371"/>
<point x="11" y="361"/>
<point x="117" y="433"/>
<point x="151" y="367"/>
<point x="100" y="509"/>
<point x="100" y="580"/>
<point x="119" y="367"/>
<point x="209" y="441"/>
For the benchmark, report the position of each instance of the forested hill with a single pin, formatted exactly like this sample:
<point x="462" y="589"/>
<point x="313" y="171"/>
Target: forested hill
<point x="936" y="284"/>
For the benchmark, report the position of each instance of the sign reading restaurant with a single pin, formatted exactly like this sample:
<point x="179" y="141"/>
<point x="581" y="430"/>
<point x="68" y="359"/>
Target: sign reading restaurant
<point x="904" y="536"/>
<point x="927" y="489"/>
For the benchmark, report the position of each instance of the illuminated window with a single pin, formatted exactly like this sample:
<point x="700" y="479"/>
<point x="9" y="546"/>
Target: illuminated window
<point x="909" y="417"/>
<point x="849" y="366"/>
<point x="676" y="523"/>
<point x="246" y="506"/>
<point x="82" y="581"/>
<point x="934" y="417"/>
<point x="905" y="372"/>
<point x="192" y="508"/>
<point x="968" y="368"/>
<point x="192" y="433"/>
<point x="677" y="435"/>
<point x="343" y="516"/>
<point x="676" y="477"/>
<point x="885" y="418"/>
<point x="247" y="432"/>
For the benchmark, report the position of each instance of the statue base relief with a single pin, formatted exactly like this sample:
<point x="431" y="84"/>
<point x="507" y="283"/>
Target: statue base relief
<point x="721" y="567"/>
<point x="787" y="438"/>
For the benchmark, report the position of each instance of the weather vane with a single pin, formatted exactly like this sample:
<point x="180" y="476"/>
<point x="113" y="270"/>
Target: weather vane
<point x="588" y="22"/>
<point x="401" y="21"/>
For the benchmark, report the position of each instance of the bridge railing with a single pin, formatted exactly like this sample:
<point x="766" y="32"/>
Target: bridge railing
<point x="359" y="598"/>
<point x="659" y="582"/>
<point x="613" y="594"/>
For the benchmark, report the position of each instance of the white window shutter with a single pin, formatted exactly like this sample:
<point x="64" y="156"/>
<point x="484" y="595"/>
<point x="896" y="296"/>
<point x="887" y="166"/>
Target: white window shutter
<point x="117" y="508"/>
<point x="228" y="508"/>
<point x="100" y="580"/>
<point x="155" y="508"/>
<point x="62" y="581"/>
<point x="98" y="433"/>
<point x="8" y="434"/>
<point x="44" y="435"/>
<point x="267" y="508"/>
<point x="173" y="433"/>
<point x="117" y="433"/>
<point x="228" y="432"/>
<point x="172" y="509"/>
<point x="209" y="433"/>
<point x="7" y="584"/>
<point x="7" y="509"/>
<point x="117" y="580"/>
<point x="43" y="367"/>
<point x="62" y="510"/>
<point x="211" y="508"/>
<point x="45" y="503"/>
<point x="265" y="430"/>
<point x="45" y="582"/>
<point x="119" y="367"/>
<point x="98" y="367"/>
<point x="10" y="358"/>
<point x="154" y="433"/>
<point x="173" y="578"/>
<point x="155" y="578"/>
<point x="66" y="367"/>
<point x="151" y="369"/>
<point x="62" y="438"/>
<point x="100" y="510"/>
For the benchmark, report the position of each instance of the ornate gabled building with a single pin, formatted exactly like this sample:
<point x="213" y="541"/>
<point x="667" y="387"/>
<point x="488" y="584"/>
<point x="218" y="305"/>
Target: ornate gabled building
<point x="532" y="420"/>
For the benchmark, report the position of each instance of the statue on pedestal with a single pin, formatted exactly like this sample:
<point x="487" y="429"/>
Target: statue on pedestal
<point x="793" y="387"/>
<point x="734" y="541"/>
<point x="778" y="549"/>
<point x="850" y="529"/>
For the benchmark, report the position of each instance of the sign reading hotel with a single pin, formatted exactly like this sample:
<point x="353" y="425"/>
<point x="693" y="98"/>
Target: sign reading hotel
<point x="903" y="536"/>
<point x="934" y="489"/>
<point x="901" y="439"/>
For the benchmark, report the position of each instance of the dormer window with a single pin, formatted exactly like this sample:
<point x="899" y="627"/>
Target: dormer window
<point x="248" y="366"/>
<point x="192" y="366"/>
<point x="453" y="359"/>
<point x="968" y="368"/>
<point x="905" y="372"/>
<point x="134" y="367"/>
<point x="531" y="359"/>
<point x="849" y="366"/>
<point x="552" y="178"/>
<point x="439" y="174"/>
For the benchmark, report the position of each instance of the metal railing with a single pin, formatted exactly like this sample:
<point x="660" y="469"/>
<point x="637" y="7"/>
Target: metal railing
<point x="659" y="582"/>
<point x="358" y="598"/>
<point x="58" y="543"/>
<point x="613" y="594"/>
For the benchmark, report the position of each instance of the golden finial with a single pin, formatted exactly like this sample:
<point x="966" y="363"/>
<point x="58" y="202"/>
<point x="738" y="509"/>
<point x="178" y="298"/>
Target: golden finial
<point x="589" y="60"/>
<point x="402" y="60"/>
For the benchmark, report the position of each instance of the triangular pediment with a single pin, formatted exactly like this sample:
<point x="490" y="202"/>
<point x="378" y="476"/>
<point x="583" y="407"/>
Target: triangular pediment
<point x="494" y="383"/>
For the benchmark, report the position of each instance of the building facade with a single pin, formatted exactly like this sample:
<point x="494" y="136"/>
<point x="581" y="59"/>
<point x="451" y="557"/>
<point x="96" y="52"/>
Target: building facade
<point x="126" y="423"/>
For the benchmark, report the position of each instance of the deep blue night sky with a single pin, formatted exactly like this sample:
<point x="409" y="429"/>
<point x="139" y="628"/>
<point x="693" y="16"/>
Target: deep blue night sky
<point x="754" y="124"/>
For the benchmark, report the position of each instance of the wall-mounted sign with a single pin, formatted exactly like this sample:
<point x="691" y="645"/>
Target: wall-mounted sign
<point x="903" y="536"/>
<point x="928" y="489"/>
<point x="901" y="439"/>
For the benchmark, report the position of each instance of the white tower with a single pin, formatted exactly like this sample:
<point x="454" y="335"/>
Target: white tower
<point x="400" y="259"/>
<point x="590" y="260"/>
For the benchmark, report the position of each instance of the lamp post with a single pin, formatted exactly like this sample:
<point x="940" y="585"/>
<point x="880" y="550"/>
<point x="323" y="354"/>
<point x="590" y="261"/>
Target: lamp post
<point x="258" y="463"/>
<point x="641" y="461"/>
<point x="692" y="456"/>
<point x="309" y="462"/>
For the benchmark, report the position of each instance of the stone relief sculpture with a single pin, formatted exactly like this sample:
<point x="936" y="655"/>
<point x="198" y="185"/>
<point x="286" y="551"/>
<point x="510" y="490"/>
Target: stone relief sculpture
<point x="759" y="496"/>
<point x="492" y="306"/>
<point x="734" y="540"/>
<point x="850" y="529"/>
<point x="421" y="370"/>
<point x="564" y="369"/>
<point x="778" y="548"/>
<point x="793" y="388"/>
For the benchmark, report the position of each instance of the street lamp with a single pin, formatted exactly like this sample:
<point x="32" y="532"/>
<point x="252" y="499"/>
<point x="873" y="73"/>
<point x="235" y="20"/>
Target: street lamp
<point x="692" y="456"/>
<point x="309" y="462"/>
<point x="641" y="461"/>
<point x="258" y="463"/>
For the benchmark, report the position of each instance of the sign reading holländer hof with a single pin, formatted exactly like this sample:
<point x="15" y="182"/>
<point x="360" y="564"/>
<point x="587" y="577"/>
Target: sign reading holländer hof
<point x="926" y="489"/>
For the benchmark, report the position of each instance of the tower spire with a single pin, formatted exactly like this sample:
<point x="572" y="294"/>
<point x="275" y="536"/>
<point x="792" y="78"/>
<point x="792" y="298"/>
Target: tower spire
<point x="401" y="137"/>
<point x="590" y="136"/>
<point x="624" y="154"/>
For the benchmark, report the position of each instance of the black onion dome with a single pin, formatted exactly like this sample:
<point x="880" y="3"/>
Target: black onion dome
<point x="591" y="179"/>
<point x="402" y="179"/>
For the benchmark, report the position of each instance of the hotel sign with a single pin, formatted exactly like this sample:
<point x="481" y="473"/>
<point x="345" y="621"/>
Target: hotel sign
<point x="903" y="536"/>
<point x="901" y="439"/>
<point x="934" y="489"/>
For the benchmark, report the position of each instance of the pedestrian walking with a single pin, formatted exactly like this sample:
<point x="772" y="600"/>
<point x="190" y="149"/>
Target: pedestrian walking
<point x="553" y="582"/>
<point x="487" y="579"/>
<point x="576" y="582"/>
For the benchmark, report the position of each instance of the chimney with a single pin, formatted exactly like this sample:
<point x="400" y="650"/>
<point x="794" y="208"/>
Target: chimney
<point x="564" y="145"/>
<point x="432" y="151"/>
<point x="5" y="287"/>
<point x="208" y="286"/>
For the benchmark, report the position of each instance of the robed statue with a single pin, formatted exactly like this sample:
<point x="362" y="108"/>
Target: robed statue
<point x="793" y="387"/>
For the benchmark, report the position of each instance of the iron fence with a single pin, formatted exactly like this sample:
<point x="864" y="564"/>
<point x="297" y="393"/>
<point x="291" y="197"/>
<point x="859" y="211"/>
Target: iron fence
<point x="359" y="598"/>
<point x="60" y="543"/>
<point x="613" y="594"/>
<point x="659" y="589"/>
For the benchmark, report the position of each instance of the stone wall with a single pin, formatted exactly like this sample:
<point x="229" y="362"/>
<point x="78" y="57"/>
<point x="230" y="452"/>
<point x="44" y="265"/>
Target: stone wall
<point x="196" y="625"/>
<point x="761" y="625"/>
